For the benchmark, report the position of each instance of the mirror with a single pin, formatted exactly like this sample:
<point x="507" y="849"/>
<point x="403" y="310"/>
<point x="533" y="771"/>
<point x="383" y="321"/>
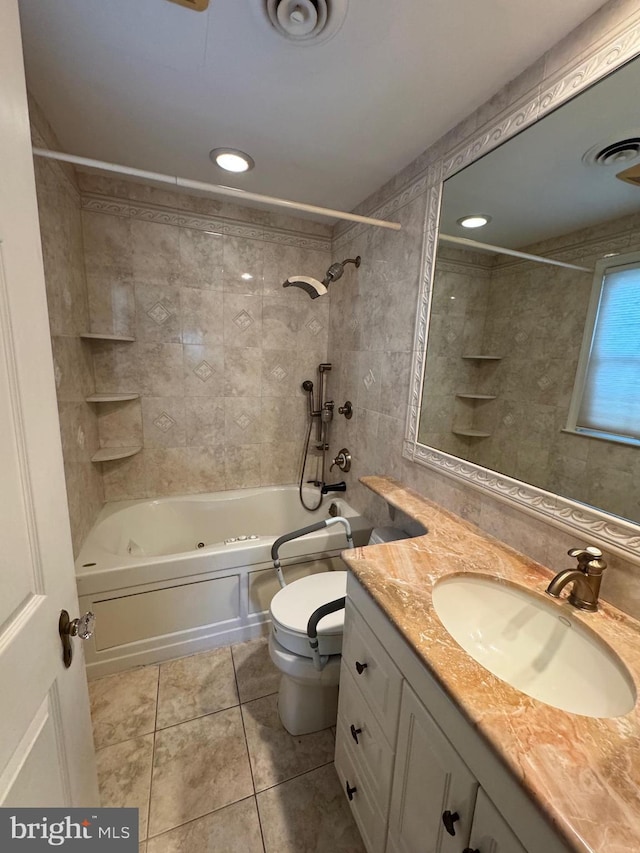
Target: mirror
<point x="505" y="332"/>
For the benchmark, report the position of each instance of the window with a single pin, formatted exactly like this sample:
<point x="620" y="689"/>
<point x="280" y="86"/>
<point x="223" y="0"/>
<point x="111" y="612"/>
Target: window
<point x="606" y="396"/>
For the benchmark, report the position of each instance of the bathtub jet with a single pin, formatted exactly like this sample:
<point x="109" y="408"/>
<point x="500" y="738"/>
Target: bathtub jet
<point x="317" y="288"/>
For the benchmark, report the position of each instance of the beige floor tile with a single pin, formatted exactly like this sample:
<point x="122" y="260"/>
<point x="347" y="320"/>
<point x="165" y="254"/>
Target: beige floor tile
<point x="275" y="754"/>
<point x="123" y="706"/>
<point x="124" y="776"/>
<point x="309" y="814"/>
<point x="256" y="675"/>
<point x="142" y="848"/>
<point x="194" y="686"/>
<point x="234" y="828"/>
<point x="198" y="767"/>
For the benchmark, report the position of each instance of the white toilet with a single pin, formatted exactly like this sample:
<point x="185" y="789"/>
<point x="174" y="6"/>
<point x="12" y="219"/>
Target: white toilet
<point x="308" y="698"/>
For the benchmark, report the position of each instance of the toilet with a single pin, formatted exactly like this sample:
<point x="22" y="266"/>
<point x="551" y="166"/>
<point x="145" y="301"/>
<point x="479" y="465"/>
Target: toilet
<point x="308" y="697"/>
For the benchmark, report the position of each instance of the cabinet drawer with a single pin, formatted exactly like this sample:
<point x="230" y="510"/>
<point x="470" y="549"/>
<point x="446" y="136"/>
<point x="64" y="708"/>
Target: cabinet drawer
<point x="368" y="745"/>
<point x="365" y="810"/>
<point x="373" y="671"/>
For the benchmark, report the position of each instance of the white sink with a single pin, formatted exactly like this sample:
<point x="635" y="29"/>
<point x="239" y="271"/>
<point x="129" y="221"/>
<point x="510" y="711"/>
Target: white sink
<point x="533" y="646"/>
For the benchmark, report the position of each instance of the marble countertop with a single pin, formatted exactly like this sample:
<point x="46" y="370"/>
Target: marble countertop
<point x="584" y="773"/>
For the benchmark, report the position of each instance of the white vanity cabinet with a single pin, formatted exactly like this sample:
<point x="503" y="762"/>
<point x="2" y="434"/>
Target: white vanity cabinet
<point x="418" y="777"/>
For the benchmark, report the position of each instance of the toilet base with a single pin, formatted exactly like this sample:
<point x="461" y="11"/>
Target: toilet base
<point x="306" y="708"/>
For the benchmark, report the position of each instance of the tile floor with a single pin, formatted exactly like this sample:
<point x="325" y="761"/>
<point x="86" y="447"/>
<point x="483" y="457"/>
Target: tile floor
<point x="196" y="745"/>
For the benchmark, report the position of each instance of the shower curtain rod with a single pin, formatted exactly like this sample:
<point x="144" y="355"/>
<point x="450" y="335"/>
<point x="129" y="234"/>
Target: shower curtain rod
<point x="215" y="189"/>
<point x="487" y="247"/>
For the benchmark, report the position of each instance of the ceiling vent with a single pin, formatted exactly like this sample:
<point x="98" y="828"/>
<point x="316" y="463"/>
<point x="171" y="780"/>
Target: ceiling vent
<point x="305" y="21"/>
<point x="616" y="152"/>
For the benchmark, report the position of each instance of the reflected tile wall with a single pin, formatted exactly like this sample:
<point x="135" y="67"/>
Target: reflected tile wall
<point x="62" y="251"/>
<point x="221" y="349"/>
<point x="365" y="316"/>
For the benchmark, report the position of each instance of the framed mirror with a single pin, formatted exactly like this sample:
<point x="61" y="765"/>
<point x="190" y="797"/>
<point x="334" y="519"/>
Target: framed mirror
<point x="526" y="377"/>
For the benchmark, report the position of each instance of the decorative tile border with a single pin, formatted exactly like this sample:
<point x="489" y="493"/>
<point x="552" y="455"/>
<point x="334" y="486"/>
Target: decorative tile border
<point x="184" y="219"/>
<point x="609" y="52"/>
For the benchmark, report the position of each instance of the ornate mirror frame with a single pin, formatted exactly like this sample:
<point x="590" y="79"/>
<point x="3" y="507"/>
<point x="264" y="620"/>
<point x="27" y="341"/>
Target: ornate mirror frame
<point x="611" y="51"/>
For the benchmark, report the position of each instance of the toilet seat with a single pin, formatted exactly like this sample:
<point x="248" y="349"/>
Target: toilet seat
<point x="293" y="605"/>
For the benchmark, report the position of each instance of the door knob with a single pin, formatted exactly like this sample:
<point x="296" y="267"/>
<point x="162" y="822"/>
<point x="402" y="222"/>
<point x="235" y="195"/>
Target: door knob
<point x="68" y="628"/>
<point x="350" y="790"/>
<point x="355" y="732"/>
<point x="360" y="667"/>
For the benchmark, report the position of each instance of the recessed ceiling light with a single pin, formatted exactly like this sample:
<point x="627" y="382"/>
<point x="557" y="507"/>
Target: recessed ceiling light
<point x="231" y="159"/>
<point x="476" y="220"/>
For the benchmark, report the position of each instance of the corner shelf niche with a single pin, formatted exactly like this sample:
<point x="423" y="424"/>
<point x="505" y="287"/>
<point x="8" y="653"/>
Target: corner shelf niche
<point x="477" y="396"/>
<point x="96" y="336"/>
<point x="110" y="398"/>
<point x="471" y="433"/>
<point x="107" y="454"/>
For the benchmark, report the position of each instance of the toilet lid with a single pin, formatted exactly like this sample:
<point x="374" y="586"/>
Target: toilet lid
<point x="293" y="605"/>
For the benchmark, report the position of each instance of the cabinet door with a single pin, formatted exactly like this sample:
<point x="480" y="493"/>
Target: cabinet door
<point x="432" y="786"/>
<point x="489" y="831"/>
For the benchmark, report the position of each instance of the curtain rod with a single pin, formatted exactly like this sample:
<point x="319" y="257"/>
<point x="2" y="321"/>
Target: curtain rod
<point x="215" y="189"/>
<point x="487" y="247"/>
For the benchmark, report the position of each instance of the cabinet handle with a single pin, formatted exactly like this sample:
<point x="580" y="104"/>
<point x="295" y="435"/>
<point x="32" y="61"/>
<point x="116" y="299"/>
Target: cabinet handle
<point x="360" y="667"/>
<point x="448" y="819"/>
<point x="469" y="850"/>
<point x="355" y="732"/>
<point x="350" y="791"/>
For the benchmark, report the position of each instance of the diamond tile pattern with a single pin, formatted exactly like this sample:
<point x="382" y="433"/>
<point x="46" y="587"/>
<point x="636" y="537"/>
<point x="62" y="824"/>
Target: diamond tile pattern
<point x="369" y="380"/>
<point x="279" y="372"/>
<point x="315" y="326"/>
<point x="204" y="371"/>
<point x="243" y="420"/>
<point x="164" y="422"/>
<point x="159" y="313"/>
<point x="243" y="320"/>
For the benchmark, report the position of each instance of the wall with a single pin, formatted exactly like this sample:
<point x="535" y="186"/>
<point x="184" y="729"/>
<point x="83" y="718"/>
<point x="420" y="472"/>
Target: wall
<point x="221" y="349"/>
<point x="62" y="249"/>
<point x="376" y="434"/>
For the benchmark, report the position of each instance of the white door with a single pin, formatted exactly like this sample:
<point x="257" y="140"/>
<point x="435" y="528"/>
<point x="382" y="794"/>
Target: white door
<point x="46" y="748"/>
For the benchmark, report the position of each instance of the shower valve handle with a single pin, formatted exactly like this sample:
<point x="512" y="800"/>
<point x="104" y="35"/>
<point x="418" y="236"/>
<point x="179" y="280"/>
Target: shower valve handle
<point x="342" y="461"/>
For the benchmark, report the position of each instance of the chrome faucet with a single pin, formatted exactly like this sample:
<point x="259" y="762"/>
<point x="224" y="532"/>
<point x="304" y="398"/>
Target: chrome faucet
<point x="586" y="578"/>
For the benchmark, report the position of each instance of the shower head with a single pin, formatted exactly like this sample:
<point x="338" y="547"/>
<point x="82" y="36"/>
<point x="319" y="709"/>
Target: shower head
<point x="317" y="288"/>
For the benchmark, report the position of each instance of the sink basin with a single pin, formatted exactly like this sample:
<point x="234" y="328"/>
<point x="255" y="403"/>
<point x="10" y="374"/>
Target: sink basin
<point x="533" y="646"/>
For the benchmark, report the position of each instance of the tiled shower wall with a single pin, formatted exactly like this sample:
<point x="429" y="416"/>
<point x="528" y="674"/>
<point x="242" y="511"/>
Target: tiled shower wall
<point x="375" y="435"/>
<point x="220" y="350"/>
<point x="62" y="250"/>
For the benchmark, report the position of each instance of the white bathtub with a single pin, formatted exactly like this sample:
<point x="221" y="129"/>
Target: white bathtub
<point x="174" y="576"/>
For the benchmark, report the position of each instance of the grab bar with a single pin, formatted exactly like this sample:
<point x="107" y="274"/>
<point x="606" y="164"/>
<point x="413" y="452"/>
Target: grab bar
<point x="320" y="661"/>
<point x="296" y="534"/>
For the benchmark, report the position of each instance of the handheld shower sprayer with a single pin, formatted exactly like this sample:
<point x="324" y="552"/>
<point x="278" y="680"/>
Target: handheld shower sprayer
<point x="317" y="288"/>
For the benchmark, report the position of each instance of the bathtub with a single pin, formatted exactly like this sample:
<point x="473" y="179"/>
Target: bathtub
<point x="178" y="575"/>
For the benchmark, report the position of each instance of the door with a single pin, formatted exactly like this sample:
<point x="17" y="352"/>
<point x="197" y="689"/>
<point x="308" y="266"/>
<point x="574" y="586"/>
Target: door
<point x="46" y="748"/>
<point x="433" y="792"/>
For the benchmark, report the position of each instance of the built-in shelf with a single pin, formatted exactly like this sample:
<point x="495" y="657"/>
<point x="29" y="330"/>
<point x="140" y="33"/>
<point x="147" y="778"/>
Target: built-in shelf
<point x="483" y="357"/>
<point x="107" y="454"/>
<point x="471" y="433"/>
<point x="110" y="398"/>
<point x="477" y="396"/>
<point x="96" y="336"/>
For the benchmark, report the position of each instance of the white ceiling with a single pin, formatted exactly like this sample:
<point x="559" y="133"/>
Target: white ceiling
<point x="537" y="186"/>
<point x="150" y="84"/>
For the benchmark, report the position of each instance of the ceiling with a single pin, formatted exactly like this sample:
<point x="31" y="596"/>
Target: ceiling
<point x="153" y="85"/>
<point x="537" y="186"/>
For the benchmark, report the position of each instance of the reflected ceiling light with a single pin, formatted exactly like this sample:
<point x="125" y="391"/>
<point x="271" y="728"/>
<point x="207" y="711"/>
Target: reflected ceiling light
<point x="246" y="276"/>
<point x="231" y="160"/>
<point x="475" y="220"/>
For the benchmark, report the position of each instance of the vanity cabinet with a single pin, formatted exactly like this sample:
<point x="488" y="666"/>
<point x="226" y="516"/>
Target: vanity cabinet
<point x="418" y="777"/>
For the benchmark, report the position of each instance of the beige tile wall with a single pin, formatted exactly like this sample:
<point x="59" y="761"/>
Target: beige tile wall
<point x="371" y="306"/>
<point x="221" y="349"/>
<point x="62" y="249"/>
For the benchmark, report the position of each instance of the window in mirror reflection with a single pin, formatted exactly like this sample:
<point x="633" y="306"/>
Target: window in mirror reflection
<point x="606" y="397"/>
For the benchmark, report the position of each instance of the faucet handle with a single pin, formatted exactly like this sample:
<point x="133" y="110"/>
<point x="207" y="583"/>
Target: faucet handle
<point x="589" y="559"/>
